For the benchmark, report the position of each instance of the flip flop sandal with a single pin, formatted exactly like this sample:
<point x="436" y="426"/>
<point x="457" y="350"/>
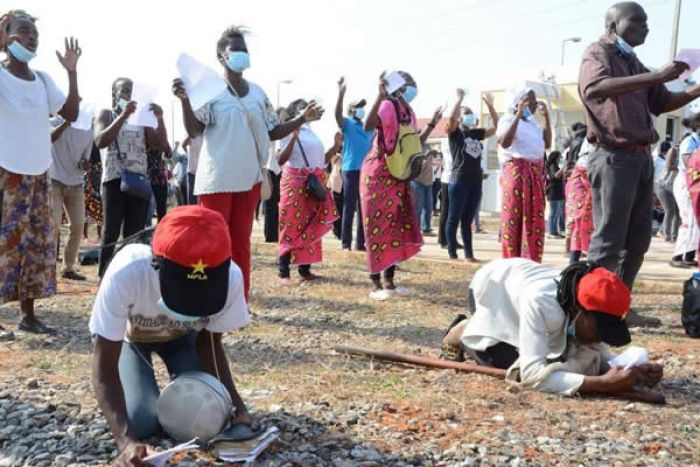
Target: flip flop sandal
<point x="36" y="328"/>
<point x="238" y="432"/>
<point x="453" y="354"/>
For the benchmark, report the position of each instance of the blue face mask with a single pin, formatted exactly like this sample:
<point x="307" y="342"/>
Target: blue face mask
<point x="20" y="52"/>
<point x="527" y="113"/>
<point x="624" y="47"/>
<point x="360" y="113"/>
<point x="121" y="103"/>
<point x="468" y="119"/>
<point x="238" y="61"/>
<point x="410" y="93"/>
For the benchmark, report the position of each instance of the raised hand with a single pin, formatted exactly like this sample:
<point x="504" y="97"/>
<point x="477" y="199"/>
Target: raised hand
<point x="437" y="115"/>
<point x="313" y="112"/>
<point x="5" y="38"/>
<point x="460" y="93"/>
<point x="129" y="109"/>
<point x="338" y="139"/>
<point x="673" y="70"/>
<point x="342" y="87"/>
<point x="382" y="85"/>
<point x="179" y="89"/>
<point x="156" y="109"/>
<point x="542" y="108"/>
<point x="524" y="103"/>
<point x="70" y="57"/>
<point x="488" y="99"/>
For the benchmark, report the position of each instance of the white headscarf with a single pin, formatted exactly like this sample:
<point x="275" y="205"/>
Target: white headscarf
<point x="516" y="94"/>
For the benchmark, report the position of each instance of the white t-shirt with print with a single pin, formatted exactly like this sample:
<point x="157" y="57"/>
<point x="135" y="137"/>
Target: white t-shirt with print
<point x="126" y="306"/>
<point x="528" y="142"/>
<point x="228" y="162"/>
<point x="25" y="134"/>
<point x="313" y="148"/>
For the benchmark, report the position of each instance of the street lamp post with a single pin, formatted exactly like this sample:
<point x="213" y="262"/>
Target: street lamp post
<point x="279" y="83"/>
<point x="563" y="46"/>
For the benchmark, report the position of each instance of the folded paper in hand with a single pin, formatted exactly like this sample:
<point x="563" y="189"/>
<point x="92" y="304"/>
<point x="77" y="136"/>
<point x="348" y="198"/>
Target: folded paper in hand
<point x="84" y="120"/>
<point x="201" y="82"/>
<point x="144" y="96"/>
<point x="692" y="58"/>
<point x="394" y="82"/>
<point x="631" y="357"/>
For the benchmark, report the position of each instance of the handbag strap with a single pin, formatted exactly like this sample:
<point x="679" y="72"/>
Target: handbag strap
<point x="303" y="153"/>
<point x="261" y="161"/>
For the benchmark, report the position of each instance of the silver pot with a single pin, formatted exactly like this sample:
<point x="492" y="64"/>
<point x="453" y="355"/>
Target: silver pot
<point x="194" y="405"/>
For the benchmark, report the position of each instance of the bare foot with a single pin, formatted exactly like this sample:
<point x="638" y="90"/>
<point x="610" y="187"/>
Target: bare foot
<point x="286" y="282"/>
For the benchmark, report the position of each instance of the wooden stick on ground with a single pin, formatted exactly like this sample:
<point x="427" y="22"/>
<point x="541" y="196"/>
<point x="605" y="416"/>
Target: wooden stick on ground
<point x="648" y="397"/>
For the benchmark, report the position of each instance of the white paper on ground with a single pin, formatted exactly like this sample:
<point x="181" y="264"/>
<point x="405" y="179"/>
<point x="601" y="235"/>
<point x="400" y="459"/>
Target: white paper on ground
<point x="84" y="120"/>
<point x="249" y="456"/>
<point x="692" y="58"/>
<point x="394" y="81"/>
<point x="144" y="96"/>
<point x="631" y="357"/>
<point x="159" y="459"/>
<point x="201" y="82"/>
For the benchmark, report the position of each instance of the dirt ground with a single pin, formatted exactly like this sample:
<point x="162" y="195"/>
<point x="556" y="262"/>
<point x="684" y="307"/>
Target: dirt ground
<point x="338" y="410"/>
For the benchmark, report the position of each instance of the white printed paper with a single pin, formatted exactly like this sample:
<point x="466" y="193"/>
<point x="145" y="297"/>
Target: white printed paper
<point x="144" y="96"/>
<point x="84" y="120"/>
<point x="159" y="459"/>
<point x="634" y="356"/>
<point x="394" y="82"/>
<point x="692" y="58"/>
<point x="201" y="82"/>
<point x="249" y="450"/>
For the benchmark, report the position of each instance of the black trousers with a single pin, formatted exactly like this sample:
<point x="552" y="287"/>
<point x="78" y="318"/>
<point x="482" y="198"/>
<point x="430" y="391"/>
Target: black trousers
<point x="271" y="209"/>
<point x="338" y="224"/>
<point x="160" y="194"/>
<point x="388" y="274"/>
<point x="501" y="355"/>
<point x="444" y="211"/>
<point x="125" y="214"/>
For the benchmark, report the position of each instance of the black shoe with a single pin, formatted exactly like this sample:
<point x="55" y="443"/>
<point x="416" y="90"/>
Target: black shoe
<point x="72" y="275"/>
<point x="37" y="327"/>
<point x="691" y="263"/>
<point x="636" y="320"/>
<point x="678" y="263"/>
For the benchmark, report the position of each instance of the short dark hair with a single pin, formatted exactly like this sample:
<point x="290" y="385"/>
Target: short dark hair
<point x="20" y="14"/>
<point x="231" y="32"/>
<point x="692" y="122"/>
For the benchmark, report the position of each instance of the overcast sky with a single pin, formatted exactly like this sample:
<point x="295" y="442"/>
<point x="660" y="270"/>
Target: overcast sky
<point x="443" y="43"/>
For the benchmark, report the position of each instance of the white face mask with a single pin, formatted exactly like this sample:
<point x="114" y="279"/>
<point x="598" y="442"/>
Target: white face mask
<point x="121" y="103"/>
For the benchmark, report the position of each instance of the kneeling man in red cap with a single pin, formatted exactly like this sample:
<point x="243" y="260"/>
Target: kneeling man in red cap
<point x="549" y="330"/>
<point x="174" y="299"/>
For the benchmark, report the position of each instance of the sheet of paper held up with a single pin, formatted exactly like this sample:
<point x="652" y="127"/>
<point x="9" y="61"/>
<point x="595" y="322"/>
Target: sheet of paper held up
<point x="159" y="459"/>
<point x="692" y="58"/>
<point x="633" y="356"/>
<point x="201" y="82"/>
<point x="144" y="96"/>
<point x="394" y="81"/>
<point x="84" y="120"/>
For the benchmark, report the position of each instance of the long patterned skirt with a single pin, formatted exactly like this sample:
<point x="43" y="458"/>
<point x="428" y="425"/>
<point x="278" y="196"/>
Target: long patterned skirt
<point x="579" y="210"/>
<point x="392" y="231"/>
<point x="27" y="237"/>
<point x="303" y="220"/>
<point x="522" y="213"/>
<point x="93" y="200"/>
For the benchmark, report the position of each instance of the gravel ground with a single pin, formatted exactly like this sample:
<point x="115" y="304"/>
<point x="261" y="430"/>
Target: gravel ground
<point x="343" y="411"/>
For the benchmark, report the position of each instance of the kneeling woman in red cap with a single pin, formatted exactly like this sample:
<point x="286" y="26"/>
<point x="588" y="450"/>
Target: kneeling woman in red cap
<point x="550" y="332"/>
<point x="175" y="300"/>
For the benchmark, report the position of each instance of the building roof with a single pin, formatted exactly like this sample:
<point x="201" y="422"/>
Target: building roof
<point x="440" y="130"/>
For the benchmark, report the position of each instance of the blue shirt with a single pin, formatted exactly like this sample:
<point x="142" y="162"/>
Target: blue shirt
<point x="356" y="143"/>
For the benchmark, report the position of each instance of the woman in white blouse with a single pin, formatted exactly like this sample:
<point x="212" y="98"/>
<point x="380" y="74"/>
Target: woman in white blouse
<point x="303" y="219"/>
<point x="237" y="126"/>
<point x="521" y="148"/>
<point x="27" y="99"/>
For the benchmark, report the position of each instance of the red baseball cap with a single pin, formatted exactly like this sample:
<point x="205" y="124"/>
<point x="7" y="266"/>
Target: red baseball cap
<point x="603" y="295"/>
<point x="195" y="250"/>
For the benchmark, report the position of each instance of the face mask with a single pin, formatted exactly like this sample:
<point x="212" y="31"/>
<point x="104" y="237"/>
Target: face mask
<point x="121" y="103"/>
<point x="360" y="113"/>
<point x="410" y="93"/>
<point x="20" y="52"/>
<point x="468" y="119"/>
<point x="527" y="113"/>
<point x="624" y="47"/>
<point x="238" y="61"/>
<point x="570" y="329"/>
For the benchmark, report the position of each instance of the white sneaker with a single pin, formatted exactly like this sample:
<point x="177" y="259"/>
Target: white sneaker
<point x="402" y="291"/>
<point x="379" y="295"/>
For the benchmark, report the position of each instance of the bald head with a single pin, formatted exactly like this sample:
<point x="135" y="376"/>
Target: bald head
<point x="627" y="20"/>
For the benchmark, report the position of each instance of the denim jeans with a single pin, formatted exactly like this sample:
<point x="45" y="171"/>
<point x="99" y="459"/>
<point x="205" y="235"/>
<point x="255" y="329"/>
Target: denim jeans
<point x="556" y="217"/>
<point x="139" y="382"/>
<point x="351" y="205"/>
<point x="424" y="204"/>
<point x="464" y="202"/>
